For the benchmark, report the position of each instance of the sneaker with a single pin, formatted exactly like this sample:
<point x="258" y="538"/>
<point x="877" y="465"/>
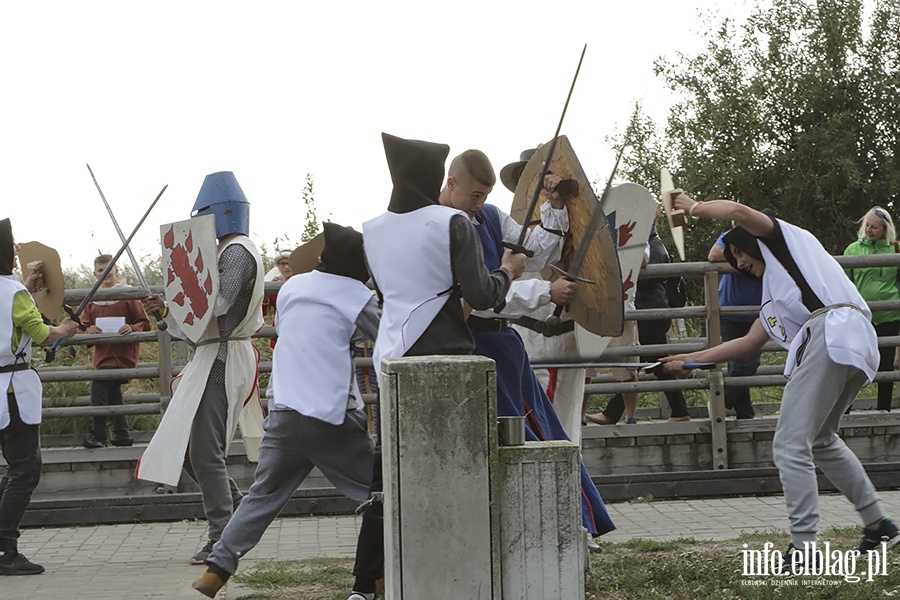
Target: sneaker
<point x="630" y="421"/>
<point x="16" y="564"/>
<point x="886" y="531"/>
<point x="592" y="546"/>
<point x="788" y="559"/>
<point x="362" y="596"/>
<point x="210" y="583"/>
<point x="202" y="554"/>
<point x="678" y="419"/>
<point x="123" y="442"/>
<point x="92" y="442"/>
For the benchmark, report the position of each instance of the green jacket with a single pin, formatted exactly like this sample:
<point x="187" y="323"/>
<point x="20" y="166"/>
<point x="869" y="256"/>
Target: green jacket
<point x="875" y="283"/>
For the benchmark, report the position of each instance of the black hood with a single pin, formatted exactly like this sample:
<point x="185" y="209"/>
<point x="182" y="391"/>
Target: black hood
<point x="417" y="171"/>
<point x="343" y="253"/>
<point x="6" y="247"/>
<point x="747" y="242"/>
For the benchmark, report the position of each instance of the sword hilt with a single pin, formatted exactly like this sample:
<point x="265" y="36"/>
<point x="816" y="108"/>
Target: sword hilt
<point x="160" y="322"/>
<point x="518" y="249"/>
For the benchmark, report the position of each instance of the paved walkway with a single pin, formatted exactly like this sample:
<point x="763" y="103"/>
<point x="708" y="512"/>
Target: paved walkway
<point x="151" y="560"/>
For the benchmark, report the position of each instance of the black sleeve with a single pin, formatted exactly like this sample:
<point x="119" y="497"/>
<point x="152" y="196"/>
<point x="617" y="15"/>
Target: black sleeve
<point x="483" y="290"/>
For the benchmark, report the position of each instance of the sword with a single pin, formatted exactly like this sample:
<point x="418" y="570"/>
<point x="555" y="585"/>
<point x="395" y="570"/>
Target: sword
<point x="76" y="314"/>
<point x="553" y="322"/>
<point x="647" y="367"/>
<point x="519" y="246"/>
<point x="160" y="323"/>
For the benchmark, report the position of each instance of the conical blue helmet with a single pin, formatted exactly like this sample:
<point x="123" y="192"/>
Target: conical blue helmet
<point x="221" y="195"/>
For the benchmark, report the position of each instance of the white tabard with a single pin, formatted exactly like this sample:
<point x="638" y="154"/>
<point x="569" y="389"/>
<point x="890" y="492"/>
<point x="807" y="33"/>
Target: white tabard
<point x="163" y="459"/>
<point x="26" y="384"/>
<point x="414" y="285"/>
<point x="312" y="368"/>
<point x="849" y="334"/>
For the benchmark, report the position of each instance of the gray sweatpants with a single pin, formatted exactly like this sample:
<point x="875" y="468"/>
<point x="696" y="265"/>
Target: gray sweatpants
<point x="815" y="398"/>
<point x="205" y="462"/>
<point x="292" y="446"/>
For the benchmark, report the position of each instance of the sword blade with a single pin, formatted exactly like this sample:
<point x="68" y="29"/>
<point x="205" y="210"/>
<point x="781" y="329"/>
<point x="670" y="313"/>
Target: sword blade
<point x="598" y="214"/>
<point x="117" y="255"/>
<point x="546" y="164"/>
<point x="134" y="262"/>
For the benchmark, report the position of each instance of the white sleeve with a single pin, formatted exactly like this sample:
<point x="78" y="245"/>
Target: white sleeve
<point x="523" y="297"/>
<point x="547" y="247"/>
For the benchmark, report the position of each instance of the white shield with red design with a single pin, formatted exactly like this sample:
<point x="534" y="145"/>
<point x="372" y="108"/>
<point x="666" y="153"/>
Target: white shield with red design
<point x="630" y="211"/>
<point x="191" y="273"/>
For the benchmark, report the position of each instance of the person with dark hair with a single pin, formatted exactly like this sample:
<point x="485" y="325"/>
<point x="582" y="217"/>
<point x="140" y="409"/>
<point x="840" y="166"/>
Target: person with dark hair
<point x="123" y="317"/>
<point x="877" y="235"/>
<point x="219" y="382"/>
<point x="313" y="420"/>
<point x="813" y="311"/>
<point x="20" y="416"/>
<point x="425" y="260"/>
<point x="737" y="289"/>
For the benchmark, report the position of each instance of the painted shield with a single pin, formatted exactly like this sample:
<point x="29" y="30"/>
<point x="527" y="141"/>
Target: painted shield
<point x="665" y="186"/>
<point x="36" y="256"/>
<point x="598" y="307"/>
<point x="631" y="210"/>
<point x="192" y="274"/>
<point x="305" y="258"/>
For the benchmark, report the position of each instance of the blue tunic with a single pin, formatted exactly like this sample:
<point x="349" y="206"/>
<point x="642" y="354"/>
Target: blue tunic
<point x="518" y="390"/>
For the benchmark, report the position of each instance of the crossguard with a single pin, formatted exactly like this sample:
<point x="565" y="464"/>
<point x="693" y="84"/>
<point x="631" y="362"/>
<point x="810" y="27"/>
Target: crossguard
<point x="518" y="249"/>
<point x="69" y="311"/>
<point x="570" y="276"/>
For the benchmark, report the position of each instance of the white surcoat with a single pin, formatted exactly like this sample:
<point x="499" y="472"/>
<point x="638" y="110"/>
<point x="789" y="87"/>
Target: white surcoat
<point x="414" y="285"/>
<point x="26" y="384"/>
<point x="312" y="368"/>
<point x="163" y="459"/>
<point x="849" y="335"/>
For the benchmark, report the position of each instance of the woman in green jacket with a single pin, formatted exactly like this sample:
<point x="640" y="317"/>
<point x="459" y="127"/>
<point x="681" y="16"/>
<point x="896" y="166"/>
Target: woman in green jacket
<point x="877" y="235"/>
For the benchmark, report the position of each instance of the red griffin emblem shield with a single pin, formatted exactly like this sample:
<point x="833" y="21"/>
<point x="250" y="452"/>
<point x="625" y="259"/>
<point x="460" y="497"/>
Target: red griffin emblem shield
<point x="191" y="272"/>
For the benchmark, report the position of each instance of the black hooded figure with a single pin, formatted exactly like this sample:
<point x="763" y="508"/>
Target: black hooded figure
<point x="424" y="258"/>
<point x="7" y="256"/>
<point x="343" y="253"/>
<point x="417" y="171"/>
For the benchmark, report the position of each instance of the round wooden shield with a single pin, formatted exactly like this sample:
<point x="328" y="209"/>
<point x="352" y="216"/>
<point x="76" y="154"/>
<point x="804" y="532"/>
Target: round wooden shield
<point x="305" y="258"/>
<point x="36" y="256"/>
<point x="598" y="307"/>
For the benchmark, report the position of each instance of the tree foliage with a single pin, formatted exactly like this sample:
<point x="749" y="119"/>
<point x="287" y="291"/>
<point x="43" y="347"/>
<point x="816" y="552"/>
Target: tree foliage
<point x="794" y="109"/>
<point x="311" y="227"/>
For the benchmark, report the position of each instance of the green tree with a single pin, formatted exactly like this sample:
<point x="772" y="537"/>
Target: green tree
<point x="795" y="109"/>
<point x="311" y="227"/>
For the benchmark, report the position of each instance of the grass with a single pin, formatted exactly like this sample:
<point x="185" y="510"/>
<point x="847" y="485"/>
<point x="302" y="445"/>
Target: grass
<point x="638" y="569"/>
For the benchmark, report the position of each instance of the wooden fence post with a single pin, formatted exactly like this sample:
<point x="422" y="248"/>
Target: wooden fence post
<point x="716" y="404"/>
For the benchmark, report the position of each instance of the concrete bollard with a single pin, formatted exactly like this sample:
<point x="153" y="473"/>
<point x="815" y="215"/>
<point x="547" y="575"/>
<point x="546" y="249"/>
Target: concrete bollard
<point x="439" y="449"/>
<point x="542" y="542"/>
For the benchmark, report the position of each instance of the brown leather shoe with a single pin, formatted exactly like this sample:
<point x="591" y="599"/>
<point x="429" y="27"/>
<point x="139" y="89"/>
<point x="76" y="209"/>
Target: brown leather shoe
<point x="209" y="584"/>
<point x="678" y="419"/>
<point x="599" y="419"/>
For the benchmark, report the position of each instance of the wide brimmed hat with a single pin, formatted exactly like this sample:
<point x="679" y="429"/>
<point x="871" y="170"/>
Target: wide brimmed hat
<point x="509" y="175"/>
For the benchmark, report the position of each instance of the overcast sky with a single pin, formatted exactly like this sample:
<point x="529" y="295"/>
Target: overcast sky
<point x="167" y="92"/>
